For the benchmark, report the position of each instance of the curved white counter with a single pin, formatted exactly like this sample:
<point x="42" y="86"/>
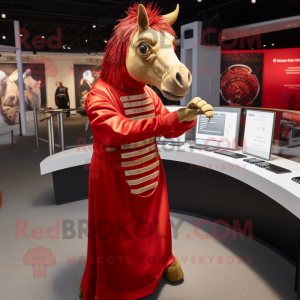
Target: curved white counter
<point x="279" y="187"/>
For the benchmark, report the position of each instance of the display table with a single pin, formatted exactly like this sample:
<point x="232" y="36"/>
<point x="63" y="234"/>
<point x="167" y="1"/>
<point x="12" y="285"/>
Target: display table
<point x="279" y="187"/>
<point x="211" y="185"/>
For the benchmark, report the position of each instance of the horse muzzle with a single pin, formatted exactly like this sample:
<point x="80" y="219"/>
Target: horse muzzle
<point x="176" y="82"/>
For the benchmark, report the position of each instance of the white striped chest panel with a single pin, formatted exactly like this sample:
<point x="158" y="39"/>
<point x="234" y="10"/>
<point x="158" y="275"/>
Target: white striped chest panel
<point x="140" y="160"/>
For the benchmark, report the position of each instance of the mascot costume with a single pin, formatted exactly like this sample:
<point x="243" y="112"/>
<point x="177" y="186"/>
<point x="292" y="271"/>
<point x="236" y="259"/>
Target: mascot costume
<point x="129" y="242"/>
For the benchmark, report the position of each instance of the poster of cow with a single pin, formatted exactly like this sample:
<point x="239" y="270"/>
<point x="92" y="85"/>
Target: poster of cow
<point x="34" y="89"/>
<point x="85" y="76"/>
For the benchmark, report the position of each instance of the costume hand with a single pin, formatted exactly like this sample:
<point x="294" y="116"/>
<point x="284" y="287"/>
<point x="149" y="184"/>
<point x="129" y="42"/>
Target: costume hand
<point x="202" y="107"/>
<point x="187" y="114"/>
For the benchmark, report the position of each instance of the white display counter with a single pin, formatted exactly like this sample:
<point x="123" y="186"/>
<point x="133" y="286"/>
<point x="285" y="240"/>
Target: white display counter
<point x="208" y="185"/>
<point x="279" y="187"/>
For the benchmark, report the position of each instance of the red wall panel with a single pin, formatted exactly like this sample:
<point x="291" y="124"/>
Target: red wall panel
<point x="281" y="77"/>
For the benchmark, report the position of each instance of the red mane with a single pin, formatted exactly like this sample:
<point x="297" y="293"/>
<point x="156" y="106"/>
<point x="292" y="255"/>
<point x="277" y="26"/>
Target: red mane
<point x="116" y="50"/>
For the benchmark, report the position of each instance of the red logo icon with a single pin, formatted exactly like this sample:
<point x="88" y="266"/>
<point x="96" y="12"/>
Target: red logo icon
<point x="39" y="258"/>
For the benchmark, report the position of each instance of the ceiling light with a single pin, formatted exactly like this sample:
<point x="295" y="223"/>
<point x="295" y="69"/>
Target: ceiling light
<point x="86" y="41"/>
<point x="94" y="25"/>
<point x="264" y="45"/>
<point x="3" y="14"/>
<point x="21" y="34"/>
<point x="64" y="47"/>
<point x="4" y="37"/>
<point x="253" y="1"/>
<point x="273" y="45"/>
<point x="69" y="47"/>
<point x="199" y="0"/>
<point x="105" y="41"/>
<point x="43" y="36"/>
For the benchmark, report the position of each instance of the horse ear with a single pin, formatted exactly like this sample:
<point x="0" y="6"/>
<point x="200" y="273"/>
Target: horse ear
<point x="172" y="17"/>
<point x="143" y="21"/>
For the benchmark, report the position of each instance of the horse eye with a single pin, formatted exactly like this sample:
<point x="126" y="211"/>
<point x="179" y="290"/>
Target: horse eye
<point x="143" y="49"/>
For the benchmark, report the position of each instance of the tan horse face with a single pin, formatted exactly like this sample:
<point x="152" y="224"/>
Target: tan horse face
<point x="151" y="59"/>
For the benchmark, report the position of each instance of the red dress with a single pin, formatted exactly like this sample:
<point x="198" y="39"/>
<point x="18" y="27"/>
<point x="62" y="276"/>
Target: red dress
<point x="129" y="244"/>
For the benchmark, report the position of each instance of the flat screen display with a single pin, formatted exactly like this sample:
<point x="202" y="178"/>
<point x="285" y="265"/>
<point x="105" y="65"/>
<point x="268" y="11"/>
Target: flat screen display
<point x="180" y="139"/>
<point x="258" y="135"/>
<point x="294" y="137"/>
<point x="222" y="130"/>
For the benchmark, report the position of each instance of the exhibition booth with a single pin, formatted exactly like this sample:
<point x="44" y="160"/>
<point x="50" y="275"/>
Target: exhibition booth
<point x="41" y="72"/>
<point x="248" y="157"/>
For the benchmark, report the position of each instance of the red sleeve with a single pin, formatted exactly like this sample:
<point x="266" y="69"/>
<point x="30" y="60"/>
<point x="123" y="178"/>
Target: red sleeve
<point x="162" y="110"/>
<point x="112" y="128"/>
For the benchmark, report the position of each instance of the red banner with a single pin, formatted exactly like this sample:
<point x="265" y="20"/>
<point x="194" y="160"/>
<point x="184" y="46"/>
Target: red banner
<point x="281" y="77"/>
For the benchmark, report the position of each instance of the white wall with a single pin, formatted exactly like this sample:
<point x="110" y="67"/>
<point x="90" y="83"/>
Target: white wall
<point x="64" y="65"/>
<point x="66" y="76"/>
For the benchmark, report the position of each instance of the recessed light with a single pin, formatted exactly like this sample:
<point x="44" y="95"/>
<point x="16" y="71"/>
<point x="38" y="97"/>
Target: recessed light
<point x="3" y="14"/>
<point x="43" y="36"/>
<point x="21" y="34"/>
<point x="273" y="45"/>
<point x="253" y="1"/>
<point x="69" y="47"/>
<point x="199" y="0"/>
<point x="94" y="25"/>
<point x="265" y="45"/>
<point x="86" y="41"/>
<point x="105" y="41"/>
<point x="4" y="37"/>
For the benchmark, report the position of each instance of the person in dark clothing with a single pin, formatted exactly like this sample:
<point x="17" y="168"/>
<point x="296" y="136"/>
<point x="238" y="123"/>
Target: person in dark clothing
<point x="62" y="99"/>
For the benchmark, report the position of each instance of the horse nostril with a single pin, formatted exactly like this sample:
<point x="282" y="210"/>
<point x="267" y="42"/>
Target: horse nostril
<point x="179" y="79"/>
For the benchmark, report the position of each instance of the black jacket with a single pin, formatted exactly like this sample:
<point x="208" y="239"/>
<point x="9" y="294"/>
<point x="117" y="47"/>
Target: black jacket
<point x="62" y="90"/>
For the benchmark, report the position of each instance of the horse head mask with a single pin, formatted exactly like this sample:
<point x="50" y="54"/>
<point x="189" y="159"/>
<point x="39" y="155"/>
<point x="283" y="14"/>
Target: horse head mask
<point x="142" y="49"/>
<point x="144" y="44"/>
<point x="151" y="58"/>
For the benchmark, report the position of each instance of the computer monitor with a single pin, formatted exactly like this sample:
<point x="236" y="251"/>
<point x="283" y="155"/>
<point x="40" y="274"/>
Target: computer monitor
<point x="223" y="129"/>
<point x="180" y="139"/>
<point x="258" y="135"/>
